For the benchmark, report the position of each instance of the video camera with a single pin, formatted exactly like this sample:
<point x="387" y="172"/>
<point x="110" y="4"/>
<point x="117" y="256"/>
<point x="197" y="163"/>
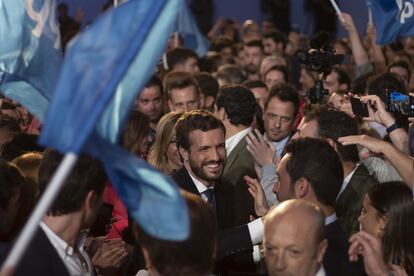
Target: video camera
<point x="320" y="57"/>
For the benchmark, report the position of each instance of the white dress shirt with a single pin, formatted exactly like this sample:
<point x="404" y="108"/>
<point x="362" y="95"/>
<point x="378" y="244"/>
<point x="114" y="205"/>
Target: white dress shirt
<point x="201" y="188"/>
<point x="346" y="181"/>
<point x="330" y="219"/>
<point x="280" y="145"/>
<point x="321" y="271"/>
<point x="232" y="142"/>
<point x="68" y="255"/>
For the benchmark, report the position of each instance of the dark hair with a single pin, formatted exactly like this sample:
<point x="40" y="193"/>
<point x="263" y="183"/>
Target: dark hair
<point x="194" y="256"/>
<point x="277" y="37"/>
<point x="319" y="163"/>
<point x="238" y="103"/>
<point x="360" y="84"/>
<point x="87" y="175"/>
<point x="254" y="43"/>
<point x="333" y="124"/>
<point x="285" y="93"/>
<point x="195" y="120"/>
<point x="230" y="74"/>
<point x="179" y="55"/>
<point x="377" y="84"/>
<point x="402" y="64"/>
<point x="221" y="43"/>
<point x="11" y="179"/>
<point x="254" y="84"/>
<point x="207" y="83"/>
<point x="155" y="81"/>
<point x="343" y="77"/>
<point x="279" y="68"/>
<point x="179" y="80"/>
<point x="21" y="143"/>
<point x="394" y="200"/>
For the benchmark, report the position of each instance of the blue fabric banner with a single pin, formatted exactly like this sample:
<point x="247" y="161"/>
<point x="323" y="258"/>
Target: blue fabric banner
<point x="392" y="18"/>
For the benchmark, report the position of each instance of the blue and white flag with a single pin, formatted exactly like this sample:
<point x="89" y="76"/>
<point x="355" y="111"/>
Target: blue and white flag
<point x="30" y="56"/>
<point x="104" y="69"/>
<point x="188" y="29"/>
<point x="392" y="18"/>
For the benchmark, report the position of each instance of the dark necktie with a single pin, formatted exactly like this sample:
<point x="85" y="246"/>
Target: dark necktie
<point x="209" y="193"/>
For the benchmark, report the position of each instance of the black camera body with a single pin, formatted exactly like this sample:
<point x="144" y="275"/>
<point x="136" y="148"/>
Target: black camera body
<point x="320" y="57"/>
<point x="320" y="60"/>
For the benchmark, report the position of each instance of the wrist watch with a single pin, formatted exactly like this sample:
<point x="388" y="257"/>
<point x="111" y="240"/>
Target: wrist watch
<point x="393" y="127"/>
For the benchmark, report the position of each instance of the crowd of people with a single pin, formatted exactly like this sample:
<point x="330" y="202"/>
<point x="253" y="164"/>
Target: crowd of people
<point x="275" y="184"/>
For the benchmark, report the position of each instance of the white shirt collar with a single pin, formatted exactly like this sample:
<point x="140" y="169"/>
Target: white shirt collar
<point x="330" y="219"/>
<point x="201" y="188"/>
<point x="321" y="271"/>
<point x="232" y="142"/>
<point x="280" y="145"/>
<point x="346" y="181"/>
<point x="67" y="252"/>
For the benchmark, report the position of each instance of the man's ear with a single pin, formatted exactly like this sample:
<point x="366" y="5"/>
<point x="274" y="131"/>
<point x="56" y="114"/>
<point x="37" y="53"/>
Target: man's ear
<point x="302" y="187"/>
<point x="332" y="143"/>
<point x="343" y="86"/>
<point x="147" y="259"/>
<point x="170" y="105"/>
<point x="90" y="200"/>
<point x="321" y="250"/>
<point x="183" y="153"/>
<point x="201" y="100"/>
<point x="221" y="114"/>
<point x="208" y="101"/>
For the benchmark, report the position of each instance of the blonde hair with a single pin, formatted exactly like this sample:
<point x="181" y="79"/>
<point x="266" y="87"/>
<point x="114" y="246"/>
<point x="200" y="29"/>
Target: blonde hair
<point x="29" y="164"/>
<point x="165" y="133"/>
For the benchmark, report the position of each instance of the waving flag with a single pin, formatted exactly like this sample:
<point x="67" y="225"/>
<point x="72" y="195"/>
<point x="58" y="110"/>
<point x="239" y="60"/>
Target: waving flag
<point x="187" y="27"/>
<point x="392" y="18"/>
<point x="104" y="68"/>
<point x="30" y="56"/>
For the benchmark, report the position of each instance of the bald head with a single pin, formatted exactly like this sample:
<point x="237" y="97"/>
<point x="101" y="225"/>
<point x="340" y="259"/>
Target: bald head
<point x="294" y="238"/>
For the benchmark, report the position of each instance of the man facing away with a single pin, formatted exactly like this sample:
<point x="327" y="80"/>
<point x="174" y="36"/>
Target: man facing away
<point x="58" y="246"/>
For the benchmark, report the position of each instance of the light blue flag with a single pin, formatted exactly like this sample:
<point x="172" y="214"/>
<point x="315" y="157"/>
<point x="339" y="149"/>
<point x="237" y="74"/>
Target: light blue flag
<point x="392" y="18"/>
<point x="187" y="27"/>
<point x="30" y="56"/>
<point x="104" y="68"/>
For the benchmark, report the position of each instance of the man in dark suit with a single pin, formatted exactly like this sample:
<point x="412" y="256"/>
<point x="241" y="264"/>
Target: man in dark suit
<point x="201" y="144"/>
<point x="200" y="139"/>
<point x="312" y="170"/>
<point x="57" y="248"/>
<point x="235" y="107"/>
<point x="330" y="124"/>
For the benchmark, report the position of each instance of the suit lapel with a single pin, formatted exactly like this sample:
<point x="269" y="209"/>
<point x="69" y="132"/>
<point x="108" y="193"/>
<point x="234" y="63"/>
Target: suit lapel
<point x="183" y="179"/>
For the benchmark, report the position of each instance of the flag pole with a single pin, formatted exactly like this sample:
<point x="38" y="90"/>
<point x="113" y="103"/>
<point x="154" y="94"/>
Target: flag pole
<point x="338" y="11"/>
<point x="115" y="3"/>
<point x="42" y="207"/>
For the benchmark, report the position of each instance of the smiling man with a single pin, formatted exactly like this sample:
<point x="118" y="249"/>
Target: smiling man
<point x="201" y="144"/>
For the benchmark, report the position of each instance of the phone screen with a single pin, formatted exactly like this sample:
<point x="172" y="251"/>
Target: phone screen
<point x="358" y="108"/>
<point x="398" y="102"/>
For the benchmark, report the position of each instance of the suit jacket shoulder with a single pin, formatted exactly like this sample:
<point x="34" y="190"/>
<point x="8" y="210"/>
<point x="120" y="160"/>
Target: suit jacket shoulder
<point x="336" y="259"/>
<point x="349" y="203"/>
<point x="41" y="258"/>
<point x="238" y="164"/>
<point x="184" y="181"/>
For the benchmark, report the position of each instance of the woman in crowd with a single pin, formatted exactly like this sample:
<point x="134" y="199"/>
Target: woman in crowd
<point x="386" y="219"/>
<point x="164" y="153"/>
<point x="137" y="137"/>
